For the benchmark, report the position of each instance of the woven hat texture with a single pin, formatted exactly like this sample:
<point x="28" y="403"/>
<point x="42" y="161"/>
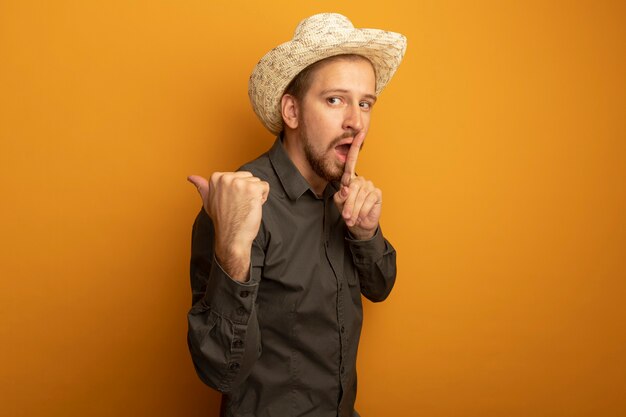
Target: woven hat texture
<point x="317" y="37"/>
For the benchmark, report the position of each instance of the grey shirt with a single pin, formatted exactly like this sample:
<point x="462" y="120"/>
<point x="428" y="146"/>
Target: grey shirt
<point x="285" y="343"/>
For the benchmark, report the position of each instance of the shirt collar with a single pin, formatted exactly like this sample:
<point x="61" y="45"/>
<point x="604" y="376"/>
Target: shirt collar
<point x="292" y="181"/>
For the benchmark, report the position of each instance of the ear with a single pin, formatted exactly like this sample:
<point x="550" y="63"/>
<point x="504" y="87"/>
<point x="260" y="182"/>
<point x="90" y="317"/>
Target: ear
<point x="289" y="110"/>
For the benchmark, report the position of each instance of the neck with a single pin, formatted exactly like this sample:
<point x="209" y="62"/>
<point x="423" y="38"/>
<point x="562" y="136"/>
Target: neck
<point x="295" y="149"/>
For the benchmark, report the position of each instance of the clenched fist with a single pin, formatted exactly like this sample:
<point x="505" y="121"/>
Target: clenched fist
<point x="234" y="201"/>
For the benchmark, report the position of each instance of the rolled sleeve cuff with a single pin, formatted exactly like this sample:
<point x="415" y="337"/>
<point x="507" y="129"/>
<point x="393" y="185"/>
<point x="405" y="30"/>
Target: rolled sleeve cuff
<point x="229" y="298"/>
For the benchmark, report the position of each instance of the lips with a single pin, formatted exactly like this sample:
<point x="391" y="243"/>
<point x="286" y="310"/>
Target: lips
<point x="347" y="141"/>
<point x="343" y="148"/>
<point x="342" y="152"/>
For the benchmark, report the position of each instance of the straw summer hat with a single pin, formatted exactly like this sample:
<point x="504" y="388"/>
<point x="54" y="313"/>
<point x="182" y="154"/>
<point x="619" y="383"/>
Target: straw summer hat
<point x="317" y="37"/>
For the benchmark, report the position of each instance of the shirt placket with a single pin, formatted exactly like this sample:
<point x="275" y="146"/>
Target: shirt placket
<point x="334" y="254"/>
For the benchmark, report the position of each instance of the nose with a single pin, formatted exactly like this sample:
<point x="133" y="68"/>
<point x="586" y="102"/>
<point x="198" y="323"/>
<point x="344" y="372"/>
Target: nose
<point x="353" y="118"/>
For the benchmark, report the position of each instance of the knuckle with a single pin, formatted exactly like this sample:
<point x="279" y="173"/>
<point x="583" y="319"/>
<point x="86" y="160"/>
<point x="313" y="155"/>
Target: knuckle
<point x="227" y="178"/>
<point x="251" y="187"/>
<point x="238" y="184"/>
<point x="215" y="177"/>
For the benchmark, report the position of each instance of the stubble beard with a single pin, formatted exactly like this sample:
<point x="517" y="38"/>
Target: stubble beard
<point x="323" y="164"/>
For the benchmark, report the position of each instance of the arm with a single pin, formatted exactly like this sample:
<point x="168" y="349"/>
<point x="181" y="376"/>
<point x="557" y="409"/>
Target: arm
<point x="223" y="331"/>
<point x="360" y="204"/>
<point x="375" y="262"/>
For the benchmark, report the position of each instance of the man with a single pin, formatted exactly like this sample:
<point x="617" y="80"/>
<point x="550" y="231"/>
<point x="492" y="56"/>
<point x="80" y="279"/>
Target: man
<point x="284" y="247"/>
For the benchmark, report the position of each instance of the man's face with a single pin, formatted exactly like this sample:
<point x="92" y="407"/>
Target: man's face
<point x="336" y="107"/>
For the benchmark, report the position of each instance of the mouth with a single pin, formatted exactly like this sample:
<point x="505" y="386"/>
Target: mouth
<point x="342" y="150"/>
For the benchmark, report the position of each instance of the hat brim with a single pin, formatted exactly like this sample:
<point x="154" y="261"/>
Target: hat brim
<point x="279" y="66"/>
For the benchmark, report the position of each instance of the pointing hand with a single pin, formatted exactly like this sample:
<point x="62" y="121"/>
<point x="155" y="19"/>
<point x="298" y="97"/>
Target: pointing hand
<point x="234" y="201"/>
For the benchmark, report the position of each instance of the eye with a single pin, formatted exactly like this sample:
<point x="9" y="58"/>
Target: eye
<point x="366" y="105"/>
<point x="333" y="100"/>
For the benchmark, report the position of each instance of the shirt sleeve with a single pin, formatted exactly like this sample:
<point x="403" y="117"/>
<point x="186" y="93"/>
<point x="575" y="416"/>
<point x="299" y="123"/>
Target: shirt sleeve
<point x="375" y="262"/>
<point x="223" y="331"/>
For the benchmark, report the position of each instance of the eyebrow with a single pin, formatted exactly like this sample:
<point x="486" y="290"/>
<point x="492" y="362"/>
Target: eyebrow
<point x="341" y="90"/>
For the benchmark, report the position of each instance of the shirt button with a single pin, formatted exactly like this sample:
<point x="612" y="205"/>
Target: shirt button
<point x="233" y="366"/>
<point x="238" y="344"/>
<point x="241" y="311"/>
<point x="343" y="370"/>
<point x="244" y="294"/>
<point x="343" y="329"/>
<point x="341" y="286"/>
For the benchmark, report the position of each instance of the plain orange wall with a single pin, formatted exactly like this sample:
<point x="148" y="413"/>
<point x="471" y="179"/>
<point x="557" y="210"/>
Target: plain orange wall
<point x="499" y="145"/>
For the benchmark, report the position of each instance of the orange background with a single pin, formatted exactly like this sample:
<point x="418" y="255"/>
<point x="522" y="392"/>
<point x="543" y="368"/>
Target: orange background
<point x="499" y="145"/>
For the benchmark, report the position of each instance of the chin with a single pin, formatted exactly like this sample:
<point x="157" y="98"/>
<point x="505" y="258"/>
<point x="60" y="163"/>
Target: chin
<point x="334" y="176"/>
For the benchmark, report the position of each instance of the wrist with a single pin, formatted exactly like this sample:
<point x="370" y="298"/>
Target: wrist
<point x="235" y="261"/>
<point x="360" y="234"/>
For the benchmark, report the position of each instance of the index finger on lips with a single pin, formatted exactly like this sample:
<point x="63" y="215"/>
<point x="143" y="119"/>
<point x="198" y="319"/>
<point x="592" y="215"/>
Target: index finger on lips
<point x="349" y="171"/>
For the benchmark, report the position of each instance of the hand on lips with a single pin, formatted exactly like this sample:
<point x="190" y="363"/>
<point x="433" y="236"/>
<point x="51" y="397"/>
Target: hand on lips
<point x="359" y="201"/>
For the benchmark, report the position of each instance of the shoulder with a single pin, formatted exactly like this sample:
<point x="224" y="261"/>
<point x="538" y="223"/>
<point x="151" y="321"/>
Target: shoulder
<point x="260" y="167"/>
<point x="263" y="169"/>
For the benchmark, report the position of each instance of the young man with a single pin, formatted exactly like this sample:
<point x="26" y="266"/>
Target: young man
<point x="284" y="247"/>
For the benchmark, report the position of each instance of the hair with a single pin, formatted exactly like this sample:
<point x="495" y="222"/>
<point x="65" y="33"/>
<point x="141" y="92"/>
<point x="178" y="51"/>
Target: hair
<point x="301" y="83"/>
